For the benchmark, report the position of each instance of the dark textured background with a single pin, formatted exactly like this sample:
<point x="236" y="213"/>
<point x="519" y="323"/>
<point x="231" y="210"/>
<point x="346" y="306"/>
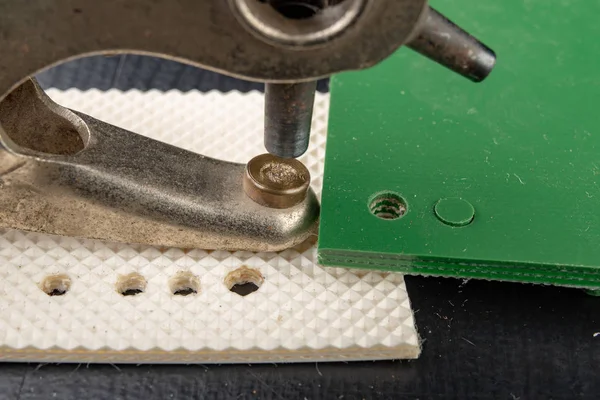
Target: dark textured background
<point x="130" y="71"/>
<point x="480" y="339"/>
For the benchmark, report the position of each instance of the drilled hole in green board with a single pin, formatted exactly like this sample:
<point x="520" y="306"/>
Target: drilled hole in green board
<point x="387" y="205"/>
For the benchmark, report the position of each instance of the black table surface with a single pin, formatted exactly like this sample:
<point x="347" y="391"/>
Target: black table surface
<point x="481" y="339"/>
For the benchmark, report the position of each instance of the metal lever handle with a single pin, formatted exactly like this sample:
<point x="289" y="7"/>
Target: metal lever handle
<point x="66" y="173"/>
<point x="449" y="45"/>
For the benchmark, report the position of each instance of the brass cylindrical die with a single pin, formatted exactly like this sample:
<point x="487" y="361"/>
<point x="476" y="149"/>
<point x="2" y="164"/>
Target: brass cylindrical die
<point x="276" y="182"/>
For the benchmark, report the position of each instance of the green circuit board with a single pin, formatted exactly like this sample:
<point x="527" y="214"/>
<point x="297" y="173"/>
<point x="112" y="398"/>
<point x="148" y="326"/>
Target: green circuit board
<point x="428" y="173"/>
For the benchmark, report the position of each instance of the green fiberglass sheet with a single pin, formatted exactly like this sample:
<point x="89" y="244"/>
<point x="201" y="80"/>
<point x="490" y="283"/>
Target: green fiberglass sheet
<point x="429" y="173"/>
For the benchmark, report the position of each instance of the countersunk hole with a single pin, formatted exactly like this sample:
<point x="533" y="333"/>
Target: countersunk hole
<point x="387" y="205"/>
<point x="300" y="22"/>
<point x="244" y="280"/>
<point x="184" y="283"/>
<point x="56" y="285"/>
<point x="131" y="284"/>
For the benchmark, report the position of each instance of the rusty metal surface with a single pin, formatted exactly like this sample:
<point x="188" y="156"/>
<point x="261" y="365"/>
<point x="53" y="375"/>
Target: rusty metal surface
<point x="447" y="44"/>
<point x="40" y="33"/>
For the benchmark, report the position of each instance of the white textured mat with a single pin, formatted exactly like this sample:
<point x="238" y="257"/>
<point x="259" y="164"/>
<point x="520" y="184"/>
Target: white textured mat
<point x="300" y="312"/>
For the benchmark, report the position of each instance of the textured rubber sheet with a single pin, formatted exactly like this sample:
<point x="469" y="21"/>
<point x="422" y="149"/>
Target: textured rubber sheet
<point x="300" y="312"/>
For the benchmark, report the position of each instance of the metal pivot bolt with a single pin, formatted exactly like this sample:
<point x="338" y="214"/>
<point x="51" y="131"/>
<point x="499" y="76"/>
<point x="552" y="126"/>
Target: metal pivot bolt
<point x="288" y="117"/>
<point x="276" y="182"/>
<point x="440" y="40"/>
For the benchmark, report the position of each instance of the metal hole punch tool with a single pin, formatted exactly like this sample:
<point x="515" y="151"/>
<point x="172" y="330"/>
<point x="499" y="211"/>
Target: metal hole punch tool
<point x="66" y="173"/>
